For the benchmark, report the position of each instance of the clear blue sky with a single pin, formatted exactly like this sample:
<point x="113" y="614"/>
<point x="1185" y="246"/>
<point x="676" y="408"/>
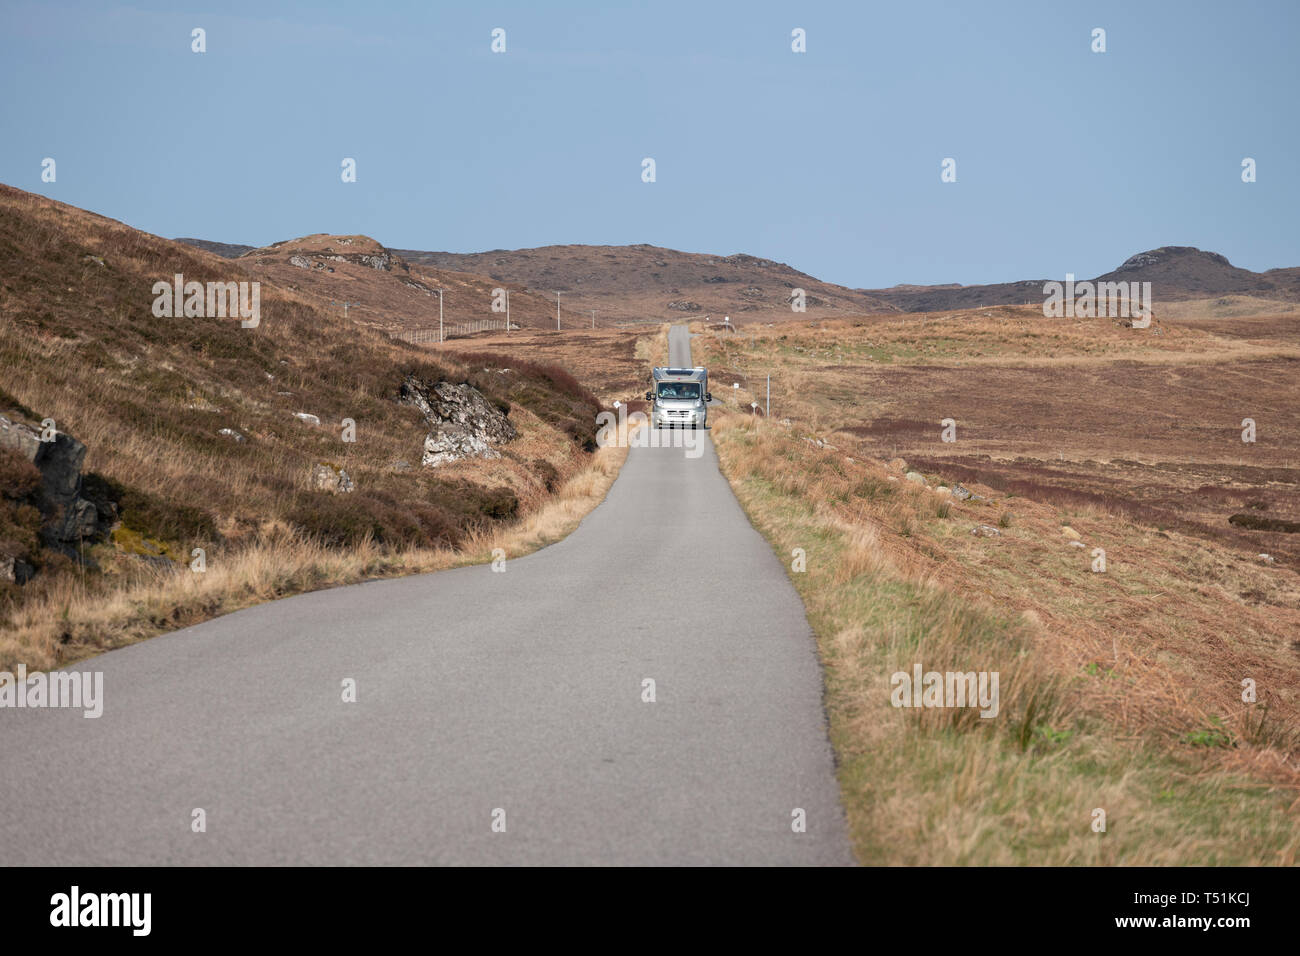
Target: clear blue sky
<point x="829" y="160"/>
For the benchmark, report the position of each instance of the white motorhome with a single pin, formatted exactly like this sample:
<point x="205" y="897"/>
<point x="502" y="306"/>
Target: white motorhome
<point x="680" y="398"/>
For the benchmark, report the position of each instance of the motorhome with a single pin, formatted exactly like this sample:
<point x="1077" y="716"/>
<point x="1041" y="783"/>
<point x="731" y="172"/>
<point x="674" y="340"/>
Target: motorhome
<point x="680" y="397"/>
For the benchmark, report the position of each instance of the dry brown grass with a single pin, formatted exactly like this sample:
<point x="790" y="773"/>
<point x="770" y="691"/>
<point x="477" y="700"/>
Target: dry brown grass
<point x="70" y="622"/>
<point x="1120" y="690"/>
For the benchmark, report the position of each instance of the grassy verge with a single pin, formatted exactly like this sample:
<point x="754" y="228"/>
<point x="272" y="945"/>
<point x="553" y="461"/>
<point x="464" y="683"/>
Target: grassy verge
<point x="943" y="785"/>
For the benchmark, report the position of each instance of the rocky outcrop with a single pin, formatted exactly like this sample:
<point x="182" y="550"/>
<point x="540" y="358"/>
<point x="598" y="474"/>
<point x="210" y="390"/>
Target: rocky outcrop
<point x="463" y="423"/>
<point x="69" y="518"/>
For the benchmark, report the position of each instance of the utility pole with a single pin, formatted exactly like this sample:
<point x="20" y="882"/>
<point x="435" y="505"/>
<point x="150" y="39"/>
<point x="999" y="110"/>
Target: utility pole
<point x="440" y="335"/>
<point x="557" y="311"/>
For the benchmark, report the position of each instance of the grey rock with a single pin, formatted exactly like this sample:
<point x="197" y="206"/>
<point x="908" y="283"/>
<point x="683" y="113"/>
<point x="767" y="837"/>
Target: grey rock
<point x="916" y="478"/>
<point x="15" y="569"/>
<point x="70" y="518"/>
<point x="79" y="520"/>
<point x="60" y="464"/>
<point x="19" y="437"/>
<point x="231" y="433"/>
<point x="59" y="461"/>
<point x="462" y="422"/>
<point x="960" y="493"/>
<point x="306" y="419"/>
<point x="332" y="479"/>
<point x="985" y="531"/>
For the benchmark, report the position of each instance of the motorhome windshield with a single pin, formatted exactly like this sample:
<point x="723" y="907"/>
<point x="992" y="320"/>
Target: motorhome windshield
<point x="679" y="391"/>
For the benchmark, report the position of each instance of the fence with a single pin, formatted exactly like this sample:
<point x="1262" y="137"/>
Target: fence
<point x="454" y="330"/>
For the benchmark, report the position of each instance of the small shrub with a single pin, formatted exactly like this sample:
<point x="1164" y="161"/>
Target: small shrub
<point x="547" y="472"/>
<point x="1216" y="735"/>
<point x="18" y="476"/>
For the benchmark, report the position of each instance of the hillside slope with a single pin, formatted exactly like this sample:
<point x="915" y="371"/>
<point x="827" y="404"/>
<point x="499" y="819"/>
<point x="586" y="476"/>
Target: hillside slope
<point x="201" y="433"/>
<point x="386" y="292"/>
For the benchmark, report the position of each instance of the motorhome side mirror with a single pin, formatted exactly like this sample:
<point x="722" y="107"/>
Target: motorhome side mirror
<point x="708" y="396"/>
<point x="649" y="396"/>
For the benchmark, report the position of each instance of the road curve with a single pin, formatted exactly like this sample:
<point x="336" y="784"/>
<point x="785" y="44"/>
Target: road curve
<point x="477" y="691"/>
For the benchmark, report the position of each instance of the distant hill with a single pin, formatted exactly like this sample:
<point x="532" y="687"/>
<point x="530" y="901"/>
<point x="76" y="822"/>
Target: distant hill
<point x="1182" y="272"/>
<point x="642" y="281"/>
<point x="659" y="282"/>
<point x="227" y="250"/>
<point x="622" y="283"/>
<point x="1175" y="273"/>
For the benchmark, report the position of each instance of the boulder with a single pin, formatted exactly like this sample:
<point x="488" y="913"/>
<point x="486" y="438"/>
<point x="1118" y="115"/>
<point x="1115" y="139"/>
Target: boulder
<point x="21" y="438"/>
<point x="960" y="492"/>
<point x="58" y="460"/>
<point x="462" y="422"/>
<point x="332" y="479"/>
<point x="306" y="419"/>
<point x="985" y="531"/>
<point x="69" y="518"/>
<point x="15" y="569"/>
<point x="916" y="478"/>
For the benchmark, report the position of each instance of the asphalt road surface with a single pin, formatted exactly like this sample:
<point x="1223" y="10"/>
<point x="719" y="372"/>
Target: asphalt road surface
<point x="477" y="691"/>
